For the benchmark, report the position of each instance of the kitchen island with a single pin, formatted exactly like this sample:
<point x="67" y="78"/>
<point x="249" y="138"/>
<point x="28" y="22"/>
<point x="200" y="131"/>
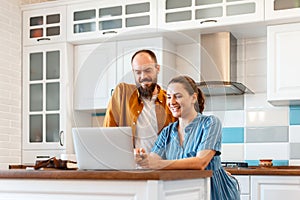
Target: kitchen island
<point x="120" y="185"/>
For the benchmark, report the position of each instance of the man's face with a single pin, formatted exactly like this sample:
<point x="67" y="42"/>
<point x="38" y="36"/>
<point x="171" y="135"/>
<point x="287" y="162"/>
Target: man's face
<point x="145" y="72"/>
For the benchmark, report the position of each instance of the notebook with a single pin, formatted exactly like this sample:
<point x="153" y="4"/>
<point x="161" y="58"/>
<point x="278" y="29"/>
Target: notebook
<point x="100" y="148"/>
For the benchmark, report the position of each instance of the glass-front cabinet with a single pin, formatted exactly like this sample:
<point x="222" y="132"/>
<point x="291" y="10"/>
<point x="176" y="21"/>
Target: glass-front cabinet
<point x="179" y="15"/>
<point x="282" y="9"/>
<point x="42" y="26"/>
<point x="110" y="18"/>
<point x="44" y="105"/>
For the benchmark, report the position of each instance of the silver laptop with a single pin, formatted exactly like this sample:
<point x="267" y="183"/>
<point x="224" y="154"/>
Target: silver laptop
<point x="104" y="148"/>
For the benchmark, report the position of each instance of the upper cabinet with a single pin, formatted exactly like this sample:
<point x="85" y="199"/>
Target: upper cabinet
<point x="110" y="18"/>
<point x="45" y="25"/>
<point x="283" y="44"/>
<point x="95" y="75"/>
<point x="100" y="66"/>
<point x="191" y="14"/>
<point x="282" y="9"/>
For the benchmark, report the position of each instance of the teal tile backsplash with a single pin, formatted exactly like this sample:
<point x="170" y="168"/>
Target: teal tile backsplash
<point x="233" y="135"/>
<point x="294" y="115"/>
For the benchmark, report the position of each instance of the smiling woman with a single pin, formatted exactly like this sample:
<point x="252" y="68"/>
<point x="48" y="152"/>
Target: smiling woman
<point x="192" y="142"/>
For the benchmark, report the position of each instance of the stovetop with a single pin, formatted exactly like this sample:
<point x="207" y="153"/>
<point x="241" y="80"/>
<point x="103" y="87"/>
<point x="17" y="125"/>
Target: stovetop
<point x="234" y="164"/>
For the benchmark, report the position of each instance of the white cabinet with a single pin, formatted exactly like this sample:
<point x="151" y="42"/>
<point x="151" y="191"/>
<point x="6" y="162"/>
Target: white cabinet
<point x="283" y="44"/>
<point x="108" y="18"/>
<point x="44" y="25"/>
<point x="99" y="67"/>
<point x="282" y="9"/>
<point x="275" y="187"/>
<point x="46" y="96"/>
<point x="191" y="14"/>
<point x="104" y="189"/>
<point x="95" y="75"/>
<point x="244" y="183"/>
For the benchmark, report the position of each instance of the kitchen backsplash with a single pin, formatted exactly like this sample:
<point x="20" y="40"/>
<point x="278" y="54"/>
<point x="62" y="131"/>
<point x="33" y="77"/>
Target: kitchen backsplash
<point x="253" y="129"/>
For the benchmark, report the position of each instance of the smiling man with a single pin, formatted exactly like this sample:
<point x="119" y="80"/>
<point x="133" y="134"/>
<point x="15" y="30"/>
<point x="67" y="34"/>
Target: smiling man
<point x="141" y="106"/>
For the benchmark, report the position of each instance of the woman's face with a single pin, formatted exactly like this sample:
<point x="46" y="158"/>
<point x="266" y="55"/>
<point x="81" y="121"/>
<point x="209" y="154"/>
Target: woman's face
<point x="179" y="101"/>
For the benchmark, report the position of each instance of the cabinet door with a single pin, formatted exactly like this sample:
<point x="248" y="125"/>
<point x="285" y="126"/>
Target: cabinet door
<point x="191" y="14"/>
<point x="44" y="92"/>
<point x="95" y="75"/>
<point x="282" y="9"/>
<point x="244" y="183"/>
<point x="275" y="187"/>
<point x="96" y="21"/>
<point x="283" y="43"/>
<point x="44" y="26"/>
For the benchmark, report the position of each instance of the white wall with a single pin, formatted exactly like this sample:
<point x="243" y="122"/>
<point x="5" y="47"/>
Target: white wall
<point x="10" y="83"/>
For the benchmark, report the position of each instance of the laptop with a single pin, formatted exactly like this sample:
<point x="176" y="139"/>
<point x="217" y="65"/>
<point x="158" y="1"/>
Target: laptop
<point x="104" y="148"/>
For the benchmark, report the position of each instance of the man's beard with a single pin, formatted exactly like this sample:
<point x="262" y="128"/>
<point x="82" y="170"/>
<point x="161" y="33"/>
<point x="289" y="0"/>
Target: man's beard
<point x="148" y="91"/>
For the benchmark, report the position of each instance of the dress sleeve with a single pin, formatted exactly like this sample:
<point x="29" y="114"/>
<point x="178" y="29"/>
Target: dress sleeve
<point x="212" y="135"/>
<point x="160" y="144"/>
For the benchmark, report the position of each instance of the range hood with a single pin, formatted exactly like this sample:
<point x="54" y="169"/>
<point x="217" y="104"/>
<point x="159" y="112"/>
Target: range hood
<point x="218" y="68"/>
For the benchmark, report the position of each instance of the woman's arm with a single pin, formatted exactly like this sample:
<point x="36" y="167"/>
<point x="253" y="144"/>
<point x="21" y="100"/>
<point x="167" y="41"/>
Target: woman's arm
<point x="153" y="161"/>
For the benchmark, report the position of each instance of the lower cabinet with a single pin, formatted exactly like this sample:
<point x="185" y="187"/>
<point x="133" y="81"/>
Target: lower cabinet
<point x="104" y="189"/>
<point x="275" y="187"/>
<point x="269" y="187"/>
<point x="244" y="184"/>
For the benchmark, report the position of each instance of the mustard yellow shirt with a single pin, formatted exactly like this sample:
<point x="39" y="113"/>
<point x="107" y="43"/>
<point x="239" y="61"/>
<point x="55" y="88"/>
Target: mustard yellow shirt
<point x="125" y="106"/>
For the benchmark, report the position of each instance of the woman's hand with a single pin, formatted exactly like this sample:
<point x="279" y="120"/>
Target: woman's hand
<point x="140" y="155"/>
<point x="142" y="159"/>
<point x="149" y="161"/>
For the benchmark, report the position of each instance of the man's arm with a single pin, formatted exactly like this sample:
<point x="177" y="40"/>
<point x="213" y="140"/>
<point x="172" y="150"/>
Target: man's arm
<point x="111" y="116"/>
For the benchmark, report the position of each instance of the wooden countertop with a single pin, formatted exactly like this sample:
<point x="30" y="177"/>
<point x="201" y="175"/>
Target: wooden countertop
<point x="105" y="175"/>
<point x="272" y="171"/>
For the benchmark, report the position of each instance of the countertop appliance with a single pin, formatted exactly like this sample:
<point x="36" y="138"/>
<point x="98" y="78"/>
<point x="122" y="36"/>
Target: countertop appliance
<point x="218" y="68"/>
<point x="229" y="164"/>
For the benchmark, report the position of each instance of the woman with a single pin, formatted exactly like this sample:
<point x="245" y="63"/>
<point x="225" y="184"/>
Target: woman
<point x="192" y="142"/>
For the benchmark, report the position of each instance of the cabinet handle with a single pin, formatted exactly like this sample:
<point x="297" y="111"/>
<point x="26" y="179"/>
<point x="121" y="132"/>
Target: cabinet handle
<point x="60" y="138"/>
<point x="209" y="20"/>
<point x="40" y="39"/>
<point x="109" y="32"/>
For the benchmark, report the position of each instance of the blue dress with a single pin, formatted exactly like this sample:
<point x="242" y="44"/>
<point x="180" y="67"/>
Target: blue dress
<point x="204" y="132"/>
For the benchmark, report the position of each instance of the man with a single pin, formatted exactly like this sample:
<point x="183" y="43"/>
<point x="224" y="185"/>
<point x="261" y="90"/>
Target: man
<point x="141" y="106"/>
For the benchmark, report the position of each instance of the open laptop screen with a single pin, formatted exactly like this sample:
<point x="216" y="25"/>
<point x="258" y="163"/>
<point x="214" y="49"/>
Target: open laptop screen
<point x="104" y="148"/>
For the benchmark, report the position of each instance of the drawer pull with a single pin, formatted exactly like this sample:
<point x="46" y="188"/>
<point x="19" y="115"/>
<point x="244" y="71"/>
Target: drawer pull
<point x="40" y="39"/>
<point x="109" y="32"/>
<point x="208" y="21"/>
